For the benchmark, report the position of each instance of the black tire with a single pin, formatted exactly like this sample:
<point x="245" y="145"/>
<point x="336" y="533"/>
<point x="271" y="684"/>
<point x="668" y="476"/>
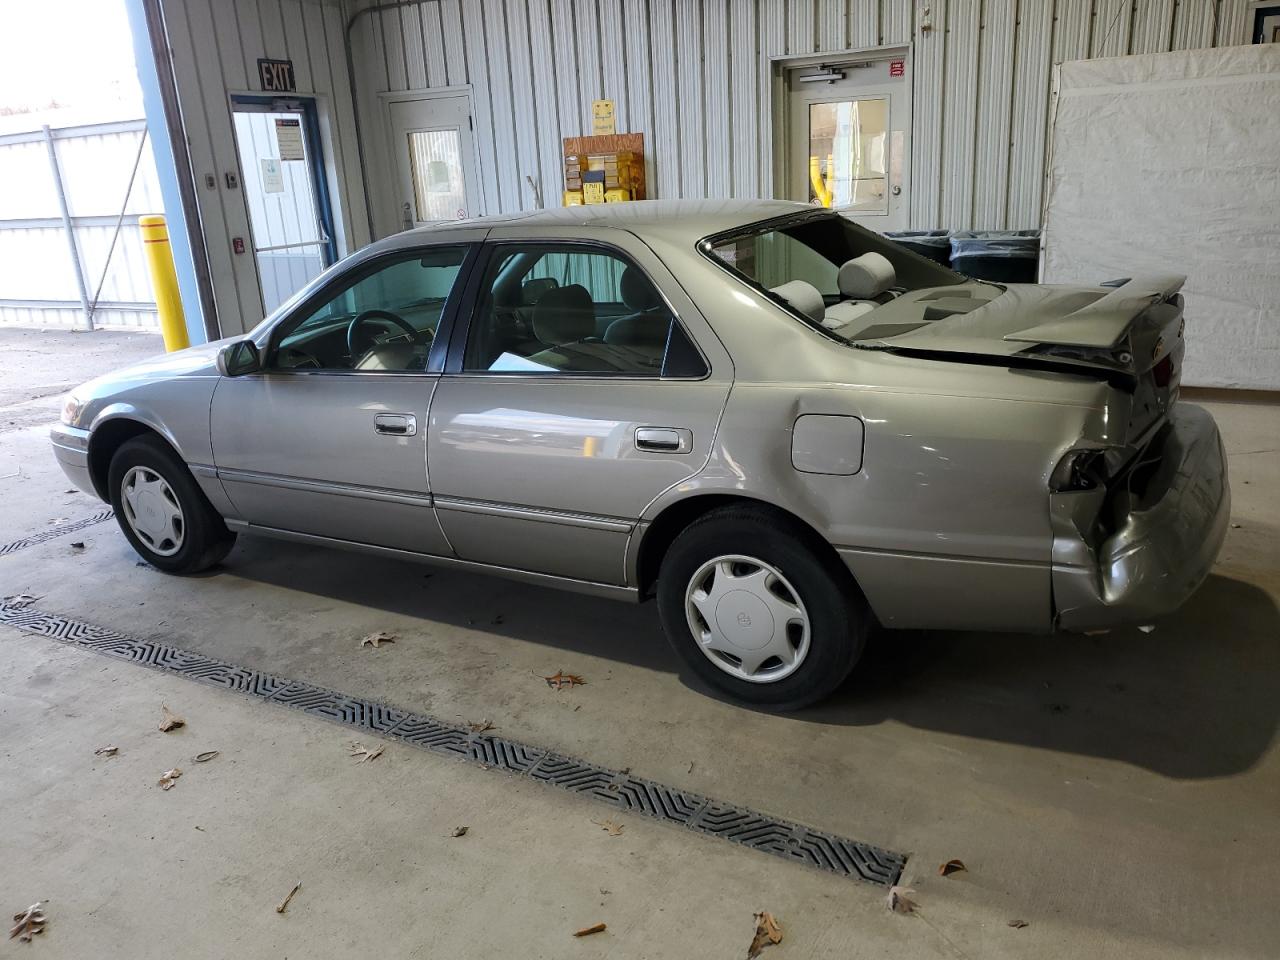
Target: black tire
<point x="838" y="614"/>
<point x="205" y="538"/>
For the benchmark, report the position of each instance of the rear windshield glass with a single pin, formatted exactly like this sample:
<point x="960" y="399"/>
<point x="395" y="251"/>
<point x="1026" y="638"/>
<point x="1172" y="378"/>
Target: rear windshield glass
<point x="797" y="262"/>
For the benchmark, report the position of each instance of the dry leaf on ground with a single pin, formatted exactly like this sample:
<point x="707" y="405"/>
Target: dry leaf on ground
<point x="899" y="902"/>
<point x="170" y="720"/>
<point x="168" y="778"/>
<point x="952" y="866"/>
<point x="480" y="726"/>
<point x="19" y="600"/>
<point x="561" y="679"/>
<point x="106" y="751"/>
<point x="610" y="827"/>
<point x="289" y="896"/>
<point x="376" y="640"/>
<point x="768" y="931"/>
<point x="205" y="757"/>
<point x="1018" y="924"/>
<point x="459" y="832"/>
<point x="28" y="923"/>
<point x="588" y="931"/>
<point x="363" y="754"/>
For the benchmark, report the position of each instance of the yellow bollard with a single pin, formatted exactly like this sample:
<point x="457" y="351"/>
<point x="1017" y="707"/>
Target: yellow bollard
<point x="164" y="279"/>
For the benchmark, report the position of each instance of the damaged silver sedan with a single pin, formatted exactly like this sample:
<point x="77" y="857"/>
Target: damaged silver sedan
<point x="782" y="426"/>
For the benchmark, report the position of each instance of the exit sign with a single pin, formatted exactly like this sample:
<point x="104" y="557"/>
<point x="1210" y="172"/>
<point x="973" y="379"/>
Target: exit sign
<point x="277" y="76"/>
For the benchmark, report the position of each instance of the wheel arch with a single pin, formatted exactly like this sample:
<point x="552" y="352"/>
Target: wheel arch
<point x="110" y="435"/>
<point x="662" y="531"/>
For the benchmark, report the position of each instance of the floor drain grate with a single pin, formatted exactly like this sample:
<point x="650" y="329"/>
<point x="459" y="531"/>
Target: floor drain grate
<point x="56" y="531"/>
<point x="618" y="788"/>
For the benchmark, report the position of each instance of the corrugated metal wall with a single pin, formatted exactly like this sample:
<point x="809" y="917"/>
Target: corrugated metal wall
<point x="695" y="77"/>
<point x="215" y="46"/>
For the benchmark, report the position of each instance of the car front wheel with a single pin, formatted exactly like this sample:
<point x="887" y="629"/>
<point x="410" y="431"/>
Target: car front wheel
<point x="161" y="510"/>
<point x="757" y="611"/>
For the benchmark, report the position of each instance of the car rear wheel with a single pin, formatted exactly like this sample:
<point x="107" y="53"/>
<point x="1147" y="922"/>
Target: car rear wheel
<point x="757" y="611"/>
<point x="163" y="513"/>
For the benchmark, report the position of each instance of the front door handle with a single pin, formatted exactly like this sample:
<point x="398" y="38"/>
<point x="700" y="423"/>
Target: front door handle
<point x="396" y="424"/>
<point x="664" y="439"/>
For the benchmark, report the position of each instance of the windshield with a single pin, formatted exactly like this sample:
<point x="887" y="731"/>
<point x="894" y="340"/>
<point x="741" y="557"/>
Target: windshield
<point x="827" y="269"/>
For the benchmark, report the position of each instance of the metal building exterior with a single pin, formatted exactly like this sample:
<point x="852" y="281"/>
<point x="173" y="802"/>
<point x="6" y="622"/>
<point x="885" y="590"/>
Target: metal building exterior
<point x="700" y="80"/>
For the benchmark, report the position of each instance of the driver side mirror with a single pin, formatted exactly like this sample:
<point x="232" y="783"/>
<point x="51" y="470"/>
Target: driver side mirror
<point x="239" y="358"/>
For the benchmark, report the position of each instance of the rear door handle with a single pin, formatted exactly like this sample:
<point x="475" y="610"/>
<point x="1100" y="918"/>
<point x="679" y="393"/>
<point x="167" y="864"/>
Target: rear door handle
<point x="396" y="424"/>
<point x="664" y="439"/>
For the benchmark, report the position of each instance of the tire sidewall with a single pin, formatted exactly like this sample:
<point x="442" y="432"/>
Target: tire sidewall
<point x="197" y="533"/>
<point x="836" y="621"/>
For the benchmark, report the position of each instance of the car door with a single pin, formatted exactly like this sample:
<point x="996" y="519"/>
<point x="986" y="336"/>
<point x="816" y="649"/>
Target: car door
<point x="584" y="385"/>
<point x="328" y="439"/>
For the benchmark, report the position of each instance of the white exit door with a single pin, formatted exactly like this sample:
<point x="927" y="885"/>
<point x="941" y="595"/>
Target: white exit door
<point x="435" y="160"/>
<point x="848" y="139"/>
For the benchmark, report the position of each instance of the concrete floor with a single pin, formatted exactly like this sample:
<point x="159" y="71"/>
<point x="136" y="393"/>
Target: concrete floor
<point x="1118" y="793"/>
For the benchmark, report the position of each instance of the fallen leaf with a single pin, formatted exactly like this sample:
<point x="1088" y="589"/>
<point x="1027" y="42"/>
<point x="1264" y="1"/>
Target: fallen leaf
<point x="168" y="778"/>
<point x="950" y="867"/>
<point x="363" y="754"/>
<point x="376" y="640"/>
<point x="610" y="827"/>
<point x="205" y="757"/>
<point x="899" y="902"/>
<point x="28" y="923"/>
<point x="289" y="896"/>
<point x="19" y="600"/>
<point x="767" y="932"/>
<point x="562" y="679"/>
<point x="480" y="726"/>
<point x="78" y="545"/>
<point x="1018" y="924"/>
<point x="588" y="931"/>
<point x="459" y="832"/>
<point x="106" y="751"/>
<point x="170" y="720"/>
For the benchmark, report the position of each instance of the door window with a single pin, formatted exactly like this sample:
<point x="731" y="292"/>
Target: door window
<point x="553" y="309"/>
<point x="847" y="153"/>
<point x="383" y="318"/>
<point x="435" y="159"/>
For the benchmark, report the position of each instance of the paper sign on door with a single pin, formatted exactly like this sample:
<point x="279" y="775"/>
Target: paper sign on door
<point x="289" y="139"/>
<point x="272" y="176"/>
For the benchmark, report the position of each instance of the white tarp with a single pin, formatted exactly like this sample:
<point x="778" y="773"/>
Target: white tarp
<point x="1170" y="163"/>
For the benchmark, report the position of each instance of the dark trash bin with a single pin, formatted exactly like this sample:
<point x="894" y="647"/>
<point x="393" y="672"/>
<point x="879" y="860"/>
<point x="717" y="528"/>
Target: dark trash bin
<point x="1006" y="256"/>
<point x="933" y="244"/>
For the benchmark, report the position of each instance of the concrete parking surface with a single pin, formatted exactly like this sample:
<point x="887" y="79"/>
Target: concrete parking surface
<point x="1117" y="793"/>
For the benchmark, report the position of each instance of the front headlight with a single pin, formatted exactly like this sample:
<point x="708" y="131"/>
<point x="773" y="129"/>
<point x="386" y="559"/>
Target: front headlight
<point x="72" y="407"/>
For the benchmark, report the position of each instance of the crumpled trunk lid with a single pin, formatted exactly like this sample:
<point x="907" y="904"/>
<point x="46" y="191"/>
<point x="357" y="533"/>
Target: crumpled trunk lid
<point x="1124" y="329"/>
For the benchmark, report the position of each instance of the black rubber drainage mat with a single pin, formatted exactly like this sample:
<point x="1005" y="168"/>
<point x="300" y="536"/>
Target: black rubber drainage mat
<point x="619" y="789"/>
<point x="56" y="531"/>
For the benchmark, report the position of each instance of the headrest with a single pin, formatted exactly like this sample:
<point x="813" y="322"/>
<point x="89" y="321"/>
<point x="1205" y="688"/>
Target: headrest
<point x="637" y="292"/>
<point x="866" y="277"/>
<point x="532" y="290"/>
<point x="564" y="315"/>
<point x="803" y="297"/>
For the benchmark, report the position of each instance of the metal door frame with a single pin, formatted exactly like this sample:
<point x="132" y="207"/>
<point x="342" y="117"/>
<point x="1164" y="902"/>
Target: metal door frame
<point x="780" y="113"/>
<point x="306" y="106"/>
<point x="391" y="175"/>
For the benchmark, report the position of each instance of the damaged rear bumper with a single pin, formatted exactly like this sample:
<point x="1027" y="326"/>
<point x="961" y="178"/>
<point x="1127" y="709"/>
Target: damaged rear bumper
<point x="1156" y="555"/>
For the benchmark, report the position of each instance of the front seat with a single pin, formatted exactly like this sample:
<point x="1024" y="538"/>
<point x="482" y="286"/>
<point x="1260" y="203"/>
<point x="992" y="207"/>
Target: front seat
<point x="648" y="322"/>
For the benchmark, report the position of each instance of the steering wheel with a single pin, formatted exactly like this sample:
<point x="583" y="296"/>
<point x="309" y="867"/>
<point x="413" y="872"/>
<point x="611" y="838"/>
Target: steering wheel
<point x="353" y="329"/>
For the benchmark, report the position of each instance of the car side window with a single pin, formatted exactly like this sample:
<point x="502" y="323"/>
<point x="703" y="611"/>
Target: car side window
<point x="552" y="308"/>
<point x="383" y="318"/>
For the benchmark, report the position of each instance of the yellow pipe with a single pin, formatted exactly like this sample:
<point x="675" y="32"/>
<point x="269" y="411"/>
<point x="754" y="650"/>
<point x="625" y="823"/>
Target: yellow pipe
<point x="164" y="280"/>
<point x="815" y="179"/>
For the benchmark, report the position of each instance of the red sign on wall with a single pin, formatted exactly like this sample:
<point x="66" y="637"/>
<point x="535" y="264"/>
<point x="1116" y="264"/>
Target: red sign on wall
<point x="897" y="68"/>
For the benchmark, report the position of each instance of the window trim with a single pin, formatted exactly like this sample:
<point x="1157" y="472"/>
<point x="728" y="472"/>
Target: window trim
<point x="454" y="364"/>
<point x="361" y="271"/>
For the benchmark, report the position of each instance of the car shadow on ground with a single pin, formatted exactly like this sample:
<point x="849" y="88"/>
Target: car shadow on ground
<point x="1197" y="697"/>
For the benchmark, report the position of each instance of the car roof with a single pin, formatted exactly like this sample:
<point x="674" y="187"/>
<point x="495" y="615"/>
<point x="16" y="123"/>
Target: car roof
<point x="689" y="219"/>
